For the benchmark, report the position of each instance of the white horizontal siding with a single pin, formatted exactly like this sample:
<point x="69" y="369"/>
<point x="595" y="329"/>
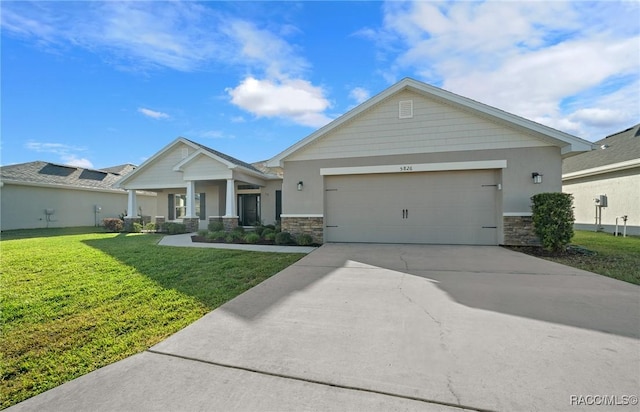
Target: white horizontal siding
<point x="204" y="166"/>
<point x="434" y="127"/>
<point x="160" y="173"/>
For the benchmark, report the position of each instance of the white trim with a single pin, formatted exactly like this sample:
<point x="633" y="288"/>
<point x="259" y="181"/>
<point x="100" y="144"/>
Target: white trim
<point x="614" y="167"/>
<point x="567" y="142"/>
<point x="516" y="214"/>
<point x="302" y="215"/>
<point x="412" y="168"/>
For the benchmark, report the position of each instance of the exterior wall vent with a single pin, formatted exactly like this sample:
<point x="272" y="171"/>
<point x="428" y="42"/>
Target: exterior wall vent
<point x="185" y="152"/>
<point x="405" y="109"/>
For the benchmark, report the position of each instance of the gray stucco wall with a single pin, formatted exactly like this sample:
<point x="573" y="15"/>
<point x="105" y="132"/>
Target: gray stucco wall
<point x="517" y="184"/>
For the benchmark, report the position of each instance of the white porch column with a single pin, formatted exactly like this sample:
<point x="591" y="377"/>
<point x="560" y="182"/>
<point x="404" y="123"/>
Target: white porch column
<point x="191" y="204"/>
<point x="231" y="199"/>
<point x="132" y="204"/>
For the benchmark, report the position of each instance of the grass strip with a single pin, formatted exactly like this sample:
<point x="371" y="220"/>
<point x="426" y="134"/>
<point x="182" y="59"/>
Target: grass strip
<point x="75" y="300"/>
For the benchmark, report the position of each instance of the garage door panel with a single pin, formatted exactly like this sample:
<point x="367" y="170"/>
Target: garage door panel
<point x="443" y="207"/>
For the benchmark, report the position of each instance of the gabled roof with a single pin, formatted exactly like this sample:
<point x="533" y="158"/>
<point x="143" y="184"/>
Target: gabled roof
<point x="41" y="173"/>
<point x="569" y="144"/>
<point x="226" y="157"/>
<point x="619" y="150"/>
<point x="230" y="161"/>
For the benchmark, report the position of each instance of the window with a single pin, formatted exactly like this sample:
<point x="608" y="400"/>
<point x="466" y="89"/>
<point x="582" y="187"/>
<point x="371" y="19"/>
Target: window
<point x="178" y="206"/>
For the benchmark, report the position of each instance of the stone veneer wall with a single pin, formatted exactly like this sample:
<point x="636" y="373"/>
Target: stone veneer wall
<point x="518" y="231"/>
<point x="192" y="223"/>
<point x="159" y="222"/>
<point x="229" y="223"/>
<point x="309" y="225"/>
<point x="129" y="221"/>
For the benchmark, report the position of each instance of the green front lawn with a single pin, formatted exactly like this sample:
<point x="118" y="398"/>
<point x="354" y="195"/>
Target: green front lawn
<point x="616" y="257"/>
<point x="74" y="300"/>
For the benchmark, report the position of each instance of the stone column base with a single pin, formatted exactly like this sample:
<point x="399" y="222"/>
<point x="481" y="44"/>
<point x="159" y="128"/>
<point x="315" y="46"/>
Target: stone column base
<point x="192" y="224"/>
<point x="230" y="223"/>
<point x="129" y="221"/>
<point x="518" y="231"/>
<point x="305" y="225"/>
<point x="159" y="223"/>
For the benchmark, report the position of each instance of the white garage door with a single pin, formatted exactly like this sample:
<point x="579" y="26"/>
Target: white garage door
<point x="454" y="207"/>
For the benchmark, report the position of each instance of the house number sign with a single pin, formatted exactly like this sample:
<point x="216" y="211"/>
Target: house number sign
<point x="406" y="168"/>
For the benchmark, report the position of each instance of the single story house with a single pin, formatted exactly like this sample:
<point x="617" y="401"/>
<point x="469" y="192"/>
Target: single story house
<point x="196" y="184"/>
<point x="418" y="164"/>
<point x="42" y="194"/>
<point x="413" y="164"/>
<point x="612" y="171"/>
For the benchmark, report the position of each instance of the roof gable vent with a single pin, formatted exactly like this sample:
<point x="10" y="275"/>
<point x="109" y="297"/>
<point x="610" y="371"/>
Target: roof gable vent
<point x="405" y="109"/>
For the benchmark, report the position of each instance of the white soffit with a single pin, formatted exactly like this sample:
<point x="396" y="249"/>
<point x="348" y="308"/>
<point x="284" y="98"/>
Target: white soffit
<point x="410" y="167"/>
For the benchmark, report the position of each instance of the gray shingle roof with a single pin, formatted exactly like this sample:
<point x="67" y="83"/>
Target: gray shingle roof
<point x="615" y="148"/>
<point x="55" y="174"/>
<point x="226" y="157"/>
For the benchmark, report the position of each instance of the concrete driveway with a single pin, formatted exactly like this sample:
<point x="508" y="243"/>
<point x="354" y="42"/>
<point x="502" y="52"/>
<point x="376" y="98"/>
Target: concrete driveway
<point x="391" y="327"/>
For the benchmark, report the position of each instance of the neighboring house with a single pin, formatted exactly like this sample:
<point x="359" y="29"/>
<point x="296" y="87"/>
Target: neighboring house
<point x="196" y="184"/>
<point x="417" y="164"/>
<point x="414" y="164"/>
<point x="612" y="170"/>
<point x="41" y="194"/>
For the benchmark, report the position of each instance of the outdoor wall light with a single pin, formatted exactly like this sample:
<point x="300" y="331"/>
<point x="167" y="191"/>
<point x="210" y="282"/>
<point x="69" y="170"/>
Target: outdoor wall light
<point x="537" y="177"/>
<point x="300" y="184"/>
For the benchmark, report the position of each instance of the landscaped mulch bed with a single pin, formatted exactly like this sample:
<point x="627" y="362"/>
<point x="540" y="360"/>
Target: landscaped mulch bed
<point x="203" y="239"/>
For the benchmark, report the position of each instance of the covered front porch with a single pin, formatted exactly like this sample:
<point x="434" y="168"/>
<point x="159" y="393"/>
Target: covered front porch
<point x="197" y="185"/>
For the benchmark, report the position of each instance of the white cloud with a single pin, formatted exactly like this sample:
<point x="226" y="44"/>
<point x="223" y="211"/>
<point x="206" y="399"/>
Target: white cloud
<point x="359" y="94"/>
<point x="66" y="153"/>
<point x="210" y="134"/>
<point x="72" y="160"/>
<point x="293" y="99"/>
<point x="152" y="113"/>
<point x="559" y="63"/>
<point x="183" y="36"/>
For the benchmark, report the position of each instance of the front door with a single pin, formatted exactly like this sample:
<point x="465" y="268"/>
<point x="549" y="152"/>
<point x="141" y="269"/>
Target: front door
<point x="249" y="209"/>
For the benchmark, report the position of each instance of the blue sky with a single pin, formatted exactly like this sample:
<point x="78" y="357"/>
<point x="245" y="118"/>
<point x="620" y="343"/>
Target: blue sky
<point x="96" y="84"/>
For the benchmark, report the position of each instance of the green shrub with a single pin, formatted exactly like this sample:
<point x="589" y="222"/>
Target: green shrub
<point x="553" y="219"/>
<point x="137" y="227"/>
<point x="150" y="226"/>
<point x="284" y="238"/>
<point x="215" y="226"/>
<point x="220" y="234"/>
<point x="113" y="224"/>
<point x="259" y="229"/>
<point x="272" y="227"/>
<point x="173" y="228"/>
<point x="267" y="231"/>
<point x="304" y="240"/>
<point x="203" y="232"/>
<point x="238" y="229"/>
<point x="233" y="236"/>
<point x="271" y="236"/>
<point x="252" y="238"/>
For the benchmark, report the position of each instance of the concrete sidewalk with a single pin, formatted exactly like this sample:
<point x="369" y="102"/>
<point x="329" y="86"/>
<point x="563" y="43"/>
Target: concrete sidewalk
<point x="184" y="240"/>
<point x="389" y="327"/>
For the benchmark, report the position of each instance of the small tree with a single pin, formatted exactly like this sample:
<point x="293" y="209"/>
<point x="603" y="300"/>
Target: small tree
<point x="553" y="219"/>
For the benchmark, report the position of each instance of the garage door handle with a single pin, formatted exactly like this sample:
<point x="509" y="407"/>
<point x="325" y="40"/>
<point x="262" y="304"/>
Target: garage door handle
<point x="405" y="213"/>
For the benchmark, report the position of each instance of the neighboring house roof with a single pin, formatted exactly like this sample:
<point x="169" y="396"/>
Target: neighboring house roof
<point x="262" y="166"/>
<point x="121" y="170"/>
<point x="41" y="173"/>
<point x="569" y="144"/>
<point x="618" y="151"/>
